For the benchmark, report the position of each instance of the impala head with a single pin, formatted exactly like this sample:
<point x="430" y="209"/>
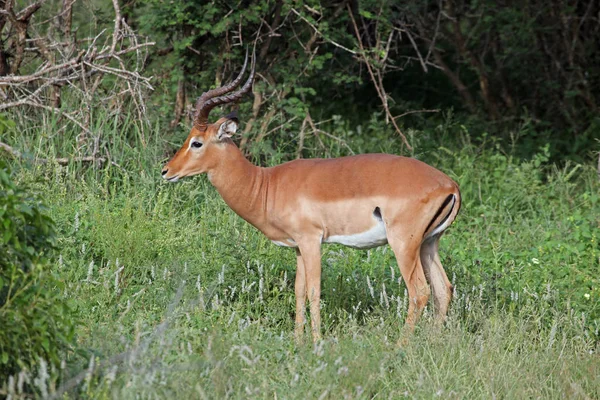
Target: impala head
<point x="202" y="149"/>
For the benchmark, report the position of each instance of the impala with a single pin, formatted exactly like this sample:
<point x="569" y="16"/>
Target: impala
<point x="362" y="201"/>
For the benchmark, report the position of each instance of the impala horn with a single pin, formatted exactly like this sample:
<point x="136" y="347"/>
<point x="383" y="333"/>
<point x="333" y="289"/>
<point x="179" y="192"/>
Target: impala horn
<point x="216" y="97"/>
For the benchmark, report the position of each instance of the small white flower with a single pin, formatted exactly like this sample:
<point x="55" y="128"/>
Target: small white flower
<point x="535" y="261"/>
<point x="371" y="291"/>
<point x="587" y="296"/>
<point x="343" y="371"/>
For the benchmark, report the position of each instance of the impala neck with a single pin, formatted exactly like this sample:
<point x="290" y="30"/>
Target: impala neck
<point x="240" y="184"/>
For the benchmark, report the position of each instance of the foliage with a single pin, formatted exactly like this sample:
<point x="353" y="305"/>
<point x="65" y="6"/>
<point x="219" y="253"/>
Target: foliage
<point x="224" y="354"/>
<point x="36" y="322"/>
<point x="177" y="296"/>
<point x="504" y="64"/>
<point x="169" y="273"/>
<point x="507" y="69"/>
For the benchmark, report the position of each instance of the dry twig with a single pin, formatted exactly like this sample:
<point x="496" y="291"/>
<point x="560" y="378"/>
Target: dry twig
<point x="378" y="82"/>
<point x="80" y="64"/>
<point x="320" y="34"/>
<point x="60" y="160"/>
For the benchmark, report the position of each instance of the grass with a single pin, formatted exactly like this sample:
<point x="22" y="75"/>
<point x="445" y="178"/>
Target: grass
<point x="176" y="296"/>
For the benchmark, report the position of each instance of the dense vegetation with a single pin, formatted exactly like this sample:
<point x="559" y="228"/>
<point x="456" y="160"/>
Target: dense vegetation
<point x="520" y="69"/>
<point x="199" y="303"/>
<point x="36" y="321"/>
<point x="143" y="289"/>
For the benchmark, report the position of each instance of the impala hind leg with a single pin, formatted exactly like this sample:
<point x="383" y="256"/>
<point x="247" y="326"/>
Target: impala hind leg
<point x="436" y="276"/>
<point x="310" y="254"/>
<point x="409" y="262"/>
<point x="300" y="288"/>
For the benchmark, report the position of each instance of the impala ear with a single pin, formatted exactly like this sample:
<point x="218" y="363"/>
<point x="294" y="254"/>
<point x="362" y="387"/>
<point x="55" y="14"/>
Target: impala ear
<point x="227" y="129"/>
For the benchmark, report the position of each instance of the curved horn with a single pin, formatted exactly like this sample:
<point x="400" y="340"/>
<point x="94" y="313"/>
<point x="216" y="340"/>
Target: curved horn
<point x="208" y="105"/>
<point x="219" y="91"/>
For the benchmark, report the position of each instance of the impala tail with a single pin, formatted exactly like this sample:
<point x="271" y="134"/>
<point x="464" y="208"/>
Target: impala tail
<point x="444" y="216"/>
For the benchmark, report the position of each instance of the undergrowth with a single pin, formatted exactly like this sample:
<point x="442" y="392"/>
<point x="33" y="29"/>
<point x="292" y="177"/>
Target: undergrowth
<point x="174" y="295"/>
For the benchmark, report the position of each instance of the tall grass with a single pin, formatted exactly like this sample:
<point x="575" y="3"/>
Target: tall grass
<point x="177" y="296"/>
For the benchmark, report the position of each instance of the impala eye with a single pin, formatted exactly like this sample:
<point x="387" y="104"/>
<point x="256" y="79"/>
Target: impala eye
<point x="196" y="145"/>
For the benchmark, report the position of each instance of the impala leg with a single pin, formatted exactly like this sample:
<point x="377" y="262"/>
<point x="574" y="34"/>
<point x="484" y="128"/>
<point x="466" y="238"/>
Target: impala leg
<point x="409" y="262"/>
<point x="449" y="287"/>
<point x="300" y="288"/>
<point x="311" y="258"/>
<point x="434" y="271"/>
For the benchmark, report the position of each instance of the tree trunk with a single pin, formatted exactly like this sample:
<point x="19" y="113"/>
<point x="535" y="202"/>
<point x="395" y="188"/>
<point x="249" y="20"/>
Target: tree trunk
<point x="66" y="17"/>
<point x="456" y="81"/>
<point x="4" y="68"/>
<point x="475" y="61"/>
<point x="273" y="26"/>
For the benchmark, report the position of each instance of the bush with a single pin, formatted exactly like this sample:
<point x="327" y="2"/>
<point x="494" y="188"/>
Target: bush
<point x="36" y="322"/>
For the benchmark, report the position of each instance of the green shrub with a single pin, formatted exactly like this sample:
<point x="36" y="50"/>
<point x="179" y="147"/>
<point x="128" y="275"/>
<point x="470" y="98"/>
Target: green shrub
<point x="34" y="319"/>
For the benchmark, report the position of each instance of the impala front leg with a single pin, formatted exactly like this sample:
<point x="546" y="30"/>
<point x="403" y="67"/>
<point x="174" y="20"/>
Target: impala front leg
<point x="311" y="258"/>
<point x="300" y="297"/>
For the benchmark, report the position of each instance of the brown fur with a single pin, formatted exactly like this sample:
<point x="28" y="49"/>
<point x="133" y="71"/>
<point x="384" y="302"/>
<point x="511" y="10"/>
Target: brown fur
<point x="304" y="202"/>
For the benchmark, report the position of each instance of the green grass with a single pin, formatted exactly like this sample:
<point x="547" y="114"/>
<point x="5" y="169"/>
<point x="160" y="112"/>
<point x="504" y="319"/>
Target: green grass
<point x="177" y="297"/>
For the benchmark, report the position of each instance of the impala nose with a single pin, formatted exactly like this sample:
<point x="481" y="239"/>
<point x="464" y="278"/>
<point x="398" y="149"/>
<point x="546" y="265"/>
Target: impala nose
<point x="164" y="171"/>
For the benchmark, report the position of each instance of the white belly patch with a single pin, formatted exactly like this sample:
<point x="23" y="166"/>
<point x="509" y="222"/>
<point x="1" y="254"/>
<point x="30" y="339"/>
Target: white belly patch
<point x="374" y="237"/>
<point x="285" y="243"/>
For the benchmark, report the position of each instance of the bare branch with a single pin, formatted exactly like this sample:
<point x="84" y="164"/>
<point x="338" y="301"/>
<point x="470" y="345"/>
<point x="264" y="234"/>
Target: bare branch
<point x="66" y="17"/>
<point x="435" y="32"/>
<point x="318" y="131"/>
<point x="301" y="138"/>
<point x="117" y="30"/>
<point x="378" y="83"/>
<point x="45" y="107"/>
<point x="61" y="160"/>
<point x="79" y="63"/>
<point x="125" y="51"/>
<point x="7" y="80"/>
<point x="13" y="152"/>
<point x="28" y="11"/>
<point x="321" y="34"/>
<point x="416" y="48"/>
<point x="121" y="73"/>
<point x="10" y="14"/>
<point x="404" y="114"/>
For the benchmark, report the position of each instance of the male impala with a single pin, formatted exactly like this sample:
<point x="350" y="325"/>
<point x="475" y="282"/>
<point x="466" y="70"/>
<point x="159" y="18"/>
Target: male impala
<point x="361" y="201"/>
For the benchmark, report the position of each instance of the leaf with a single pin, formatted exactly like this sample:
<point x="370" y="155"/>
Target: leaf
<point x="366" y="14"/>
<point x="46" y="344"/>
<point x="7" y="235"/>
